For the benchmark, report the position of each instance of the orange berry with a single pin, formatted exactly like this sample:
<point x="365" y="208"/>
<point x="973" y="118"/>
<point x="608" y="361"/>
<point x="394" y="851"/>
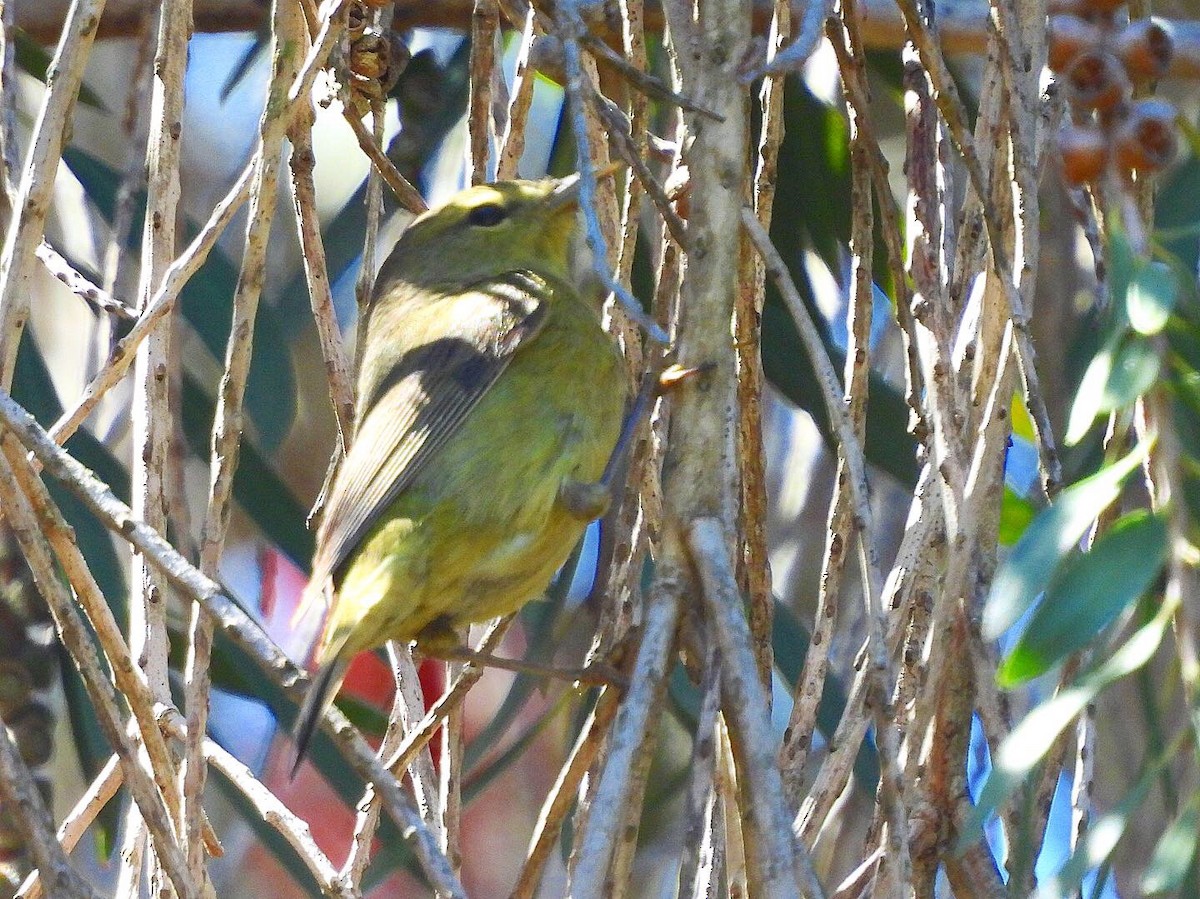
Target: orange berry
<point x="1145" y="48"/>
<point x="1084" y="153"/>
<point x="1096" y="80"/>
<point x="1146" y="139"/>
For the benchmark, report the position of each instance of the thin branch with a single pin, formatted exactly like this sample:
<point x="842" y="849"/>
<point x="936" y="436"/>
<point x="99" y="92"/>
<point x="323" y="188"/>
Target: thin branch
<point x="152" y="424"/>
<point x="512" y="145"/>
<point x="485" y="24"/>
<point x="33" y="200"/>
<point x="294" y="830"/>
<point x="561" y="797"/>
<point x="418" y="736"/>
<point x="643" y="81"/>
<point x="83" y="287"/>
<point x="406" y="195"/>
<point x="701" y="795"/>
<point x="753" y="562"/>
<point x="572" y="28"/>
<point x="129" y="678"/>
<point x="880" y="675"/>
<point x="103" y="788"/>
<point x="75" y="636"/>
<point x="186" y="265"/>
<point x="304" y="201"/>
<point x="633" y="725"/>
<point x="405" y="704"/>
<point x="232" y="620"/>
<point x="24" y="806"/>
<point x="784" y="863"/>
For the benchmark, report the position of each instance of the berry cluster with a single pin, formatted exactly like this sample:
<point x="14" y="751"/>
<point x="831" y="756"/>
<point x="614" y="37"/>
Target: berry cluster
<point x="1098" y="59"/>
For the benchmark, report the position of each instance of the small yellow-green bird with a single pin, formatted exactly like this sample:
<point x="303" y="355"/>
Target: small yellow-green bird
<point x="489" y="402"/>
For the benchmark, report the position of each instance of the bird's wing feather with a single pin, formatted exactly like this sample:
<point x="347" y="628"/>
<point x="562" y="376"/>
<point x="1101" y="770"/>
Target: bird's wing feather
<point x="419" y="403"/>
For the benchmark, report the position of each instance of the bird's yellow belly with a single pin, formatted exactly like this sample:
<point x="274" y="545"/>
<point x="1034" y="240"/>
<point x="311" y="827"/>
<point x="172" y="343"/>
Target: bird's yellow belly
<point x="463" y="544"/>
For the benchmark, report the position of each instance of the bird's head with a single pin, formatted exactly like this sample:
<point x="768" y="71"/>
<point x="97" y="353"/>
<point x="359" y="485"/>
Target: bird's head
<point x="490" y="229"/>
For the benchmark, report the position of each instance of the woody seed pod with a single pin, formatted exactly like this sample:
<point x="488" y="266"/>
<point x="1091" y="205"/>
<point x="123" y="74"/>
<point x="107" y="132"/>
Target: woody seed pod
<point x="1145" y="48"/>
<point x="1146" y="140"/>
<point x="1096" y="80"/>
<point x="1069" y="36"/>
<point x="1084" y="153"/>
<point x="369" y="55"/>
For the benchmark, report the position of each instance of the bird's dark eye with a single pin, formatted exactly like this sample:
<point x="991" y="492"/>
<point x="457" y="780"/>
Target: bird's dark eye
<point x="487" y="215"/>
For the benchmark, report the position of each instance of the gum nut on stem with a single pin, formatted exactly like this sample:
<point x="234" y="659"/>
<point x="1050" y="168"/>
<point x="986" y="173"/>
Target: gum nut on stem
<point x="1146" y="139"/>
<point x="1145" y="47"/>
<point x="1069" y="36"/>
<point x="1096" y="80"/>
<point x="1084" y="153"/>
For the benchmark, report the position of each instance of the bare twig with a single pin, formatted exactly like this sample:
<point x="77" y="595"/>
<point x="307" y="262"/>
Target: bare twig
<point x="571" y="26"/>
<point x="407" y="704"/>
<point x="642" y="81"/>
<point x="103" y="787"/>
<point x="512" y="145"/>
<point x="304" y="200"/>
<point x="187" y="264"/>
<point x="75" y="636"/>
<point x="17" y="787"/>
<point x="151" y="419"/>
<point x="92" y="294"/>
<point x="562" y="795"/>
<point x="633" y="725"/>
<point x="32" y="203"/>
<point x="879" y="668"/>
<point x="698" y="815"/>
<point x="485" y="24"/>
<point x="784" y="863"/>
<point x="294" y="830"/>
<point x="406" y="195"/>
<point x="244" y="631"/>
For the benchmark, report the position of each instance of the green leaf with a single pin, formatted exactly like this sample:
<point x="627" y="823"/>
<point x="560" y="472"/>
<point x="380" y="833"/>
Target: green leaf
<point x="1176" y="209"/>
<point x="1090" y="395"/>
<point x="1134" y="371"/>
<point x="1122" y="263"/>
<point x="1057" y="528"/>
<point x="1173" y="855"/>
<point x="1126" y="367"/>
<point x="1087" y="594"/>
<point x="1030" y="740"/>
<point x="1151" y="297"/>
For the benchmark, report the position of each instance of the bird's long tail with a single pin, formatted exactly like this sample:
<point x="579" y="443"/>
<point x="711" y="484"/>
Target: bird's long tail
<point x="324" y="687"/>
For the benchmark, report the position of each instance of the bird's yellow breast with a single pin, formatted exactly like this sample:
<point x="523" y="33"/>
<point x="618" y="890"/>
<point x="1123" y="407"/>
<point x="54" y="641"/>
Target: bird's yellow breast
<point x="481" y="530"/>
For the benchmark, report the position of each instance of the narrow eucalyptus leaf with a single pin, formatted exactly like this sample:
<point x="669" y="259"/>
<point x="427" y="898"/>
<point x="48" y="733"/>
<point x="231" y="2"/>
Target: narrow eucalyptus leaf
<point x="1087" y="594"/>
<point x="1151" y="298"/>
<point x="1134" y="371"/>
<point x="1090" y="395"/>
<point x="1030" y="740"/>
<point x="1057" y="528"/>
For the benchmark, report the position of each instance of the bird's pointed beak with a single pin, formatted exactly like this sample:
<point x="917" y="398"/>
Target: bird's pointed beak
<point x="566" y="190"/>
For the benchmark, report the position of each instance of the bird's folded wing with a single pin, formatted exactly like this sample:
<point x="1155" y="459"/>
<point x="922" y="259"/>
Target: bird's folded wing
<point x="418" y="403"/>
